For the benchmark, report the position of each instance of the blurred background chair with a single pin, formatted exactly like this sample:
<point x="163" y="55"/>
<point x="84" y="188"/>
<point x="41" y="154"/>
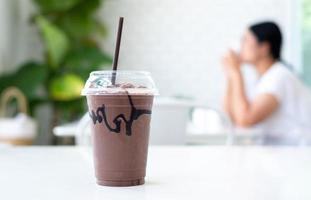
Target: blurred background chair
<point x="211" y="126"/>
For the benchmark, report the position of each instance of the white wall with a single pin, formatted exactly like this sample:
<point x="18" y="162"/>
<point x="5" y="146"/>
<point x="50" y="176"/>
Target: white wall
<point x="181" y="41"/>
<point x="4" y="34"/>
<point x="19" y="39"/>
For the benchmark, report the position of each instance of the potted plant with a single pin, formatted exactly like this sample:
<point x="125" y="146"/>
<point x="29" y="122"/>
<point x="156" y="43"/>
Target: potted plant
<point x="70" y="32"/>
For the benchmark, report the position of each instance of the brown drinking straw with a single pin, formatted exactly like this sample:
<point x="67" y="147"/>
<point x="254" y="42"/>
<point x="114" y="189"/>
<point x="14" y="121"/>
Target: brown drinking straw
<point x="116" y="53"/>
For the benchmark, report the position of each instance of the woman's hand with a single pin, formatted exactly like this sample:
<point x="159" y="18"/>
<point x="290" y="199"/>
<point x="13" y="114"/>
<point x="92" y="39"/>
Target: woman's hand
<point x="231" y="62"/>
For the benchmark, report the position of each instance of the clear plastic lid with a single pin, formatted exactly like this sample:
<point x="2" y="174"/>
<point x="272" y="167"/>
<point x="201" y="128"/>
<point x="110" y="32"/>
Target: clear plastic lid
<point x="126" y="82"/>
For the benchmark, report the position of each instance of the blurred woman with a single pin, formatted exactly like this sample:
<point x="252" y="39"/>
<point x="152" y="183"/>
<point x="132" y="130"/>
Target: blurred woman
<point x="279" y="104"/>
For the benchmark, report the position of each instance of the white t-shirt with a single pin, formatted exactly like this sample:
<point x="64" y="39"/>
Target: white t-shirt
<point x="293" y="116"/>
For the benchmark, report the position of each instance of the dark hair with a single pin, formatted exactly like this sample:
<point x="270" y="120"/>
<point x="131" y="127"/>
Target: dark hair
<point x="269" y="32"/>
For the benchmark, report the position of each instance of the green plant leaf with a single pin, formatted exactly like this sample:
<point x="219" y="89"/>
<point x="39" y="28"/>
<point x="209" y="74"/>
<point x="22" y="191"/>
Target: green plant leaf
<point x="101" y="28"/>
<point x="76" y="25"/>
<point x="55" y="40"/>
<point x="71" y="110"/>
<point x="56" y="5"/>
<point x="80" y="22"/>
<point x="87" y="7"/>
<point x="29" y="78"/>
<point x="86" y="59"/>
<point x="66" y="87"/>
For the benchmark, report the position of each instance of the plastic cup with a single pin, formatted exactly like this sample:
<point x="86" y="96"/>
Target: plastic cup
<point x="121" y="115"/>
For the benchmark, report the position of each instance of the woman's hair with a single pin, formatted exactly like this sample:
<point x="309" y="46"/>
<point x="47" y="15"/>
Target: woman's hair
<point x="269" y="32"/>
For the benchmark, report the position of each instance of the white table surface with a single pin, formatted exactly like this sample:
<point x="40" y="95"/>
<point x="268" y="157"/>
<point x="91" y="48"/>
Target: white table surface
<point x="193" y="172"/>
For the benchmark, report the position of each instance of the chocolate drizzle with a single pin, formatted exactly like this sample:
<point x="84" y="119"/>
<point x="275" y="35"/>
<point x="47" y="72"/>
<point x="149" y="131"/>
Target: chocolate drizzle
<point x="100" y="116"/>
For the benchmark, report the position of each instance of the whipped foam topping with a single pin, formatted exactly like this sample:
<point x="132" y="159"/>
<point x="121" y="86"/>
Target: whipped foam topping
<point x="118" y="89"/>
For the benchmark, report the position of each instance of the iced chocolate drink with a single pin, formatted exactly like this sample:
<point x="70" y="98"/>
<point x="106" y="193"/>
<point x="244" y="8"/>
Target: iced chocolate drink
<point x="120" y="116"/>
